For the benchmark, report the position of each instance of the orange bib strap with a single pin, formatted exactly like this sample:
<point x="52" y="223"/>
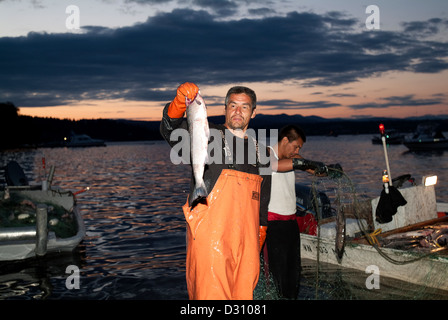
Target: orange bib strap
<point x="222" y="239"/>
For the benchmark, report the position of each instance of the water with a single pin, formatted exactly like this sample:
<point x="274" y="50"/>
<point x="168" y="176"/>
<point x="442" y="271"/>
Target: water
<point x="135" y="243"/>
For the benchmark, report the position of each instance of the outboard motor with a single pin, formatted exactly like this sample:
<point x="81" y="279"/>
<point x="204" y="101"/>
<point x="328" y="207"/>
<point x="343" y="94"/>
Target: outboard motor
<point x="14" y="175"/>
<point x="306" y="203"/>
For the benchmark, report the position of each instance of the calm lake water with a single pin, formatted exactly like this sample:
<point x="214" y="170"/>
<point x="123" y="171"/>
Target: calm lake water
<point x="135" y="243"/>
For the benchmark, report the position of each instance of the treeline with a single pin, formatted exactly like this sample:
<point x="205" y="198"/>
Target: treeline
<point x="24" y="131"/>
<point x="19" y="131"/>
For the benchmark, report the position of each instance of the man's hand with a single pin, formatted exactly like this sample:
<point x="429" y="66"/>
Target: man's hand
<point x="318" y="168"/>
<point x="177" y="107"/>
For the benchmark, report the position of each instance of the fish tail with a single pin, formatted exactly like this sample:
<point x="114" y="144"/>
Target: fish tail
<point x="199" y="194"/>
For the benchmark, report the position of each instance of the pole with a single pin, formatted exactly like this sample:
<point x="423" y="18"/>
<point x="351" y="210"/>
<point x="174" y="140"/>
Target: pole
<point x="383" y="139"/>
<point x="41" y="230"/>
<point x="50" y="176"/>
<point x="386" y="157"/>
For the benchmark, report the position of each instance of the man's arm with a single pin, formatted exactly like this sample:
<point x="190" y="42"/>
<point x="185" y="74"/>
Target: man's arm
<point x="168" y="125"/>
<point x="173" y="113"/>
<point x="314" y="167"/>
<point x="299" y="163"/>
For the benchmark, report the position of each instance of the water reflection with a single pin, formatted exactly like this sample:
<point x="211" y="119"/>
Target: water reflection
<point x="36" y="278"/>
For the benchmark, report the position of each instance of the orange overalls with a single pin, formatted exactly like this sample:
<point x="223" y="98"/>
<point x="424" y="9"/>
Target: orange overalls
<point x="222" y="239"/>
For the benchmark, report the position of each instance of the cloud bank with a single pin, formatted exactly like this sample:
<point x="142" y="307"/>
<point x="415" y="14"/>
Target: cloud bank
<point x="146" y="61"/>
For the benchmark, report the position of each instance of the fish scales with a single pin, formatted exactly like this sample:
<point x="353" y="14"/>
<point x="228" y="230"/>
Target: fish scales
<point x="199" y="135"/>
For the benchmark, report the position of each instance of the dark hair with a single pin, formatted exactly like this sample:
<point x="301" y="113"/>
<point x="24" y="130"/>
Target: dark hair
<point x="245" y="90"/>
<point x="292" y="132"/>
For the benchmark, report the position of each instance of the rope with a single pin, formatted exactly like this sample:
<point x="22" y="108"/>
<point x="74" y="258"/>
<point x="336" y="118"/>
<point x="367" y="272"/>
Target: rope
<point x="372" y="235"/>
<point x="318" y="217"/>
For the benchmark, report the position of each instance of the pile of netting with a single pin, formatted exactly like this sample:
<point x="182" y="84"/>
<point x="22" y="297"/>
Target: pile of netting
<point x="350" y="215"/>
<point x="20" y="211"/>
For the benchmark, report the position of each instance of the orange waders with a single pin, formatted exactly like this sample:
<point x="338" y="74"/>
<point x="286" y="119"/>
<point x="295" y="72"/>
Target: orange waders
<point x="222" y="239"/>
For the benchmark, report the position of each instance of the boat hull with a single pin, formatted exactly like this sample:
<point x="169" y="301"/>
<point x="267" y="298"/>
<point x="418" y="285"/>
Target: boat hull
<point x="421" y="145"/>
<point x="24" y="249"/>
<point x="429" y="271"/>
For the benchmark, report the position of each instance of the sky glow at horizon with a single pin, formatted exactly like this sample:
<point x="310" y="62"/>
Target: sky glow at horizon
<point x="308" y="57"/>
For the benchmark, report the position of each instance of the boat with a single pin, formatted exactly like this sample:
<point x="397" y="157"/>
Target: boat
<point x="37" y="220"/>
<point x="427" y="137"/>
<point x="368" y="242"/>
<point x="392" y="137"/>
<point x="83" y="140"/>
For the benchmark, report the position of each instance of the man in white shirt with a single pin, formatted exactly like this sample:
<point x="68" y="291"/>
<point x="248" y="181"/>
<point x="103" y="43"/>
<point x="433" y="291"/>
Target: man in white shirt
<point x="283" y="235"/>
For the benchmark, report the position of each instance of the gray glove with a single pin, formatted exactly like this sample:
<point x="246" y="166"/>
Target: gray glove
<point x="304" y="164"/>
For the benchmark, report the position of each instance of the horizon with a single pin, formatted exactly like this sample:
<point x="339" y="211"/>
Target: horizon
<point x="366" y="118"/>
<point x="124" y="59"/>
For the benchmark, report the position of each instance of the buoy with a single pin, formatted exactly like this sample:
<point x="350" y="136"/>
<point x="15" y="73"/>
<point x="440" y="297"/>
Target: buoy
<point x="53" y="222"/>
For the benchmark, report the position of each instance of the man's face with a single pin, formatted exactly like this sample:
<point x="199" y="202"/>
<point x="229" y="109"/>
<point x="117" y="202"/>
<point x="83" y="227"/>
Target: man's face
<point x="291" y="149"/>
<point x="239" y="112"/>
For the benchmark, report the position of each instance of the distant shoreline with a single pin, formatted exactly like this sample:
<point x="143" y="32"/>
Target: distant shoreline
<point x="30" y="131"/>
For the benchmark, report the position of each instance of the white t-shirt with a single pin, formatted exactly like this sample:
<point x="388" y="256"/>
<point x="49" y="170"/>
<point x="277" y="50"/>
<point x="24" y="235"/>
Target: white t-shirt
<point x="283" y="192"/>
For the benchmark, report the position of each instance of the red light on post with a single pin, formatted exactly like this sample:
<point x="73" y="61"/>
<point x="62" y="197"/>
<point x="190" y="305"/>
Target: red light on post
<point x="382" y="130"/>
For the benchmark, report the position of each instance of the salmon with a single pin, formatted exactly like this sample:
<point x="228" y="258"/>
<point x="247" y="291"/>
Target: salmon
<point x="199" y="135"/>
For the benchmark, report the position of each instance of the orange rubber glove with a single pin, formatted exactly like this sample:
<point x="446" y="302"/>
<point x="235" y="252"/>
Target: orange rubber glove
<point x="262" y="235"/>
<point x="177" y="107"/>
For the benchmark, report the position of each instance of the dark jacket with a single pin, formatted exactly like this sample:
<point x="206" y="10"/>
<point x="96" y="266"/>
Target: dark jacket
<point x="213" y="171"/>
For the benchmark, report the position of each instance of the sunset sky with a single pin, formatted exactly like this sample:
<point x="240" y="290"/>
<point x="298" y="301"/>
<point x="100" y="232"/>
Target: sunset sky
<point x="301" y="57"/>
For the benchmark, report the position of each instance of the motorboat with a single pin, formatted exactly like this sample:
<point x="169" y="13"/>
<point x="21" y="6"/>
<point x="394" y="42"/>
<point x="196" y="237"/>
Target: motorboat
<point x="83" y="140"/>
<point x="36" y="220"/>
<point x="427" y="137"/>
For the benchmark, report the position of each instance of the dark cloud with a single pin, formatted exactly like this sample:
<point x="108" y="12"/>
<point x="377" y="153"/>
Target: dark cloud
<point x="425" y="28"/>
<point x="261" y="11"/>
<point x="221" y="8"/>
<point x="142" y="61"/>
<point x="147" y="2"/>
<point x="283" y="104"/>
<point x="342" y="95"/>
<point x="399" y="101"/>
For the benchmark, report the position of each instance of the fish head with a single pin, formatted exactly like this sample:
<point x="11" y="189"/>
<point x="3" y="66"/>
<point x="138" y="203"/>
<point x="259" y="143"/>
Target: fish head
<point x="198" y="99"/>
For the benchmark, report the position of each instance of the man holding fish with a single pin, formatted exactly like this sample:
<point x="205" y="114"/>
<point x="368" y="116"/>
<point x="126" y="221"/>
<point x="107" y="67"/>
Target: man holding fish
<point x="228" y="199"/>
<point x="226" y="210"/>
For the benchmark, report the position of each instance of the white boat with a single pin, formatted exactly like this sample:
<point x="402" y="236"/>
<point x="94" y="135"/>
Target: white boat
<point x="418" y="266"/>
<point x="83" y="140"/>
<point x="38" y="220"/>
<point x="426" y="138"/>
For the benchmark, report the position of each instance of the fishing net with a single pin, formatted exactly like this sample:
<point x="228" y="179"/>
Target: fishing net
<point x="20" y="211"/>
<point x="331" y="269"/>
